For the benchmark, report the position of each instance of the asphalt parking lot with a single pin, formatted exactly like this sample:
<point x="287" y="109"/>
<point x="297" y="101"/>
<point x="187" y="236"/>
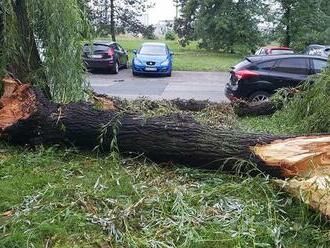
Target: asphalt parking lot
<point x="184" y="85"/>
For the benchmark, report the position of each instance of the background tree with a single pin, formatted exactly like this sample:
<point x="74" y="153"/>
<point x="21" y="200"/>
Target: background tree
<point x="113" y="16"/>
<point x="303" y="22"/>
<point x="226" y="25"/>
<point x="149" y="32"/>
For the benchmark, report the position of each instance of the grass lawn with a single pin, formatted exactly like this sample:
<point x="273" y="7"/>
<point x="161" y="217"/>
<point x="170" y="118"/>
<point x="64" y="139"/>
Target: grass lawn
<point x="189" y="58"/>
<point x="65" y="199"/>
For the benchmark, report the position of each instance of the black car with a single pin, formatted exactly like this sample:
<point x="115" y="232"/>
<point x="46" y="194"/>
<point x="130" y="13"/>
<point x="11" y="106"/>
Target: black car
<point x="105" y="55"/>
<point x="258" y="77"/>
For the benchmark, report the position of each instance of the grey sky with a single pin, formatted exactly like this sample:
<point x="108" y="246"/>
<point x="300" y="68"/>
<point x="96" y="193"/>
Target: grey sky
<point x="163" y="10"/>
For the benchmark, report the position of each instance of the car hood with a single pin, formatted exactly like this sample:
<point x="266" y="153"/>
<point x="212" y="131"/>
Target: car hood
<point x="147" y="58"/>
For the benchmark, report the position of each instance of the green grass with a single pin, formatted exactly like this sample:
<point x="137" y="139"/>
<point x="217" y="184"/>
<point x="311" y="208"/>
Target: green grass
<point x="62" y="198"/>
<point x="189" y="58"/>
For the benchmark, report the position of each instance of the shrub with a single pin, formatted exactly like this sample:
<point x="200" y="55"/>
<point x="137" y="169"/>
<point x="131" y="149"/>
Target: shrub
<point x="170" y="35"/>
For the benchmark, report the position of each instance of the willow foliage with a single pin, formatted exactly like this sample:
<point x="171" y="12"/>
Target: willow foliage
<point x="309" y="111"/>
<point x="57" y="28"/>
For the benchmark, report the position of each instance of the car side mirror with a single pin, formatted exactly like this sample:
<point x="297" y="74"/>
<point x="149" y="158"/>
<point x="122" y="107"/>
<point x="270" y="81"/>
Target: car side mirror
<point x="171" y="53"/>
<point x="134" y="51"/>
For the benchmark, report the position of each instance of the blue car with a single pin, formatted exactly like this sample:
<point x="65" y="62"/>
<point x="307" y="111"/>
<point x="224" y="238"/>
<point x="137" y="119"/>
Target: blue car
<point x="152" y="59"/>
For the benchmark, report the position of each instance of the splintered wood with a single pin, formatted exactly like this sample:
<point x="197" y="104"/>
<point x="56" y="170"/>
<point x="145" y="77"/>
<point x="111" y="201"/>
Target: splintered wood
<point x="301" y="156"/>
<point x="16" y="103"/>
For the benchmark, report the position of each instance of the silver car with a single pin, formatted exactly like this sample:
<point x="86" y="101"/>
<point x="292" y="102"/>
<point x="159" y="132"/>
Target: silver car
<point x="318" y="50"/>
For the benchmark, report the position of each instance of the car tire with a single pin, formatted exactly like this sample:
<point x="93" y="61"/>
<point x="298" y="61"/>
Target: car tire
<point x="259" y="96"/>
<point x="115" y="68"/>
<point x="135" y="74"/>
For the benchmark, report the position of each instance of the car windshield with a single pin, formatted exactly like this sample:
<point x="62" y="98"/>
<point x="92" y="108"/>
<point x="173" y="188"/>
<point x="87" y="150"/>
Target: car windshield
<point x="282" y="51"/>
<point x="153" y="50"/>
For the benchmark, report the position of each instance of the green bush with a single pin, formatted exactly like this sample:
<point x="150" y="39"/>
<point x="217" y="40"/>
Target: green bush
<point x="170" y="35"/>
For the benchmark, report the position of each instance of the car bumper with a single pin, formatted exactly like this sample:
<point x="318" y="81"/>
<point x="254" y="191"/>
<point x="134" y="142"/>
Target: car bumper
<point x="99" y="63"/>
<point x="231" y="94"/>
<point x="156" y="70"/>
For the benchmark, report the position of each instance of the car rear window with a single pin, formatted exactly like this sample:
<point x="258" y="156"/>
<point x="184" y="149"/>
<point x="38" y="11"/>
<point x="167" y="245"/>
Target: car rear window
<point x="282" y="51"/>
<point x="293" y="66"/>
<point x="96" y="48"/>
<point x="242" y="65"/>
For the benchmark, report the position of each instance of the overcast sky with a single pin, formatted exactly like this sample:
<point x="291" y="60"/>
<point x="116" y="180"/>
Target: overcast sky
<point x="163" y="10"/>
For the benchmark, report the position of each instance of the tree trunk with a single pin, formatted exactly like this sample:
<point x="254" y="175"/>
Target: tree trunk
<point x="287" y="15"/>
<point x="243" y="109"/>
<point x="28" y="62"/>
<point x="2" y="28"/>
<point x="112" y="20"/>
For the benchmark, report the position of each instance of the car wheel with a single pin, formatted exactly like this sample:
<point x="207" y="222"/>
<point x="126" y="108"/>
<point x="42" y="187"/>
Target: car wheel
<point x="259" y="96"/>
<point x="115" y="68"/>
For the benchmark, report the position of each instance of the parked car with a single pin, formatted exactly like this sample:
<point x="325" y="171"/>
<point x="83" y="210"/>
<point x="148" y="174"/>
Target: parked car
<point x="152" y="58"/>
<point x="318" y="50"/>
<point x="274" y="50"/>
<point x="256" y="78"/>
<point x="105" y="55"/>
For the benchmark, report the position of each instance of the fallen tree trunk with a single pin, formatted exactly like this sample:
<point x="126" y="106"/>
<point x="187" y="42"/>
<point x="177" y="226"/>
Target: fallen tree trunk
<point x="243" y="109"/>
<point x="27" y="117"/>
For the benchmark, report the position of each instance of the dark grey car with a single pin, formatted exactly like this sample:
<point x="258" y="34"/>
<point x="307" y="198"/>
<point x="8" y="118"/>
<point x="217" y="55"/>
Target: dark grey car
<point x="105" y="55"/>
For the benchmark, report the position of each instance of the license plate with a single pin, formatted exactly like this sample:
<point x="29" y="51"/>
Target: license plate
<point x="96" y="56"/>
<point x="151" y="69"/>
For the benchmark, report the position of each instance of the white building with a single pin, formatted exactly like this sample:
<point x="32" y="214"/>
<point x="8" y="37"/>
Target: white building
<point x="162" y="27"/>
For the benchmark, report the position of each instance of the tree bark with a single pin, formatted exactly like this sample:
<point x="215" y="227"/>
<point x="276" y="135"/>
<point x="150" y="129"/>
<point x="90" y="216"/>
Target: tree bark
<point x="243" y="109"/>
<point x="287" y="16"/>
<point x="112" y="20"/>
<point x="28" y="62"/>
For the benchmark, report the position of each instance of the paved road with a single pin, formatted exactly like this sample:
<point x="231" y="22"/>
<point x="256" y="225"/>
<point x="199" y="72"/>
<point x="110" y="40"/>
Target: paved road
<point x="184" y="85"/>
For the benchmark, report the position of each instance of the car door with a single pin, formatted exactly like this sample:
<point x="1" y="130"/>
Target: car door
<point x="122" y="56"/>
<point x="290" y="72"/>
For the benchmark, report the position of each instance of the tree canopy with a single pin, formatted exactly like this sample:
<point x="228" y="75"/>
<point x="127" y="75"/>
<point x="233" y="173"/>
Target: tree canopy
<point x="113" y="16"/>
<point x="303" y="22"/>
<point x="246" y="24"/>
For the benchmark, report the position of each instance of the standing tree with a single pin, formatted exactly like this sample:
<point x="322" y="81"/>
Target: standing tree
<point x="41" y="44"/>
<point x="303" y="22"/>
<point x="221" y="24"/>
<point x="113" y="16"/>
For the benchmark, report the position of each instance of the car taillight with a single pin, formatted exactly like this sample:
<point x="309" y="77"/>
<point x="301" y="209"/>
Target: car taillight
<point x="111" y="52"/>
<point x="245" y="74"/>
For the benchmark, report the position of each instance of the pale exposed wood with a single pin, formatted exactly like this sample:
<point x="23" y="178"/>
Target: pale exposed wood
<point x="314" y="191"/>
<point x="301" y="156"/>
<point x="16" y="104"/>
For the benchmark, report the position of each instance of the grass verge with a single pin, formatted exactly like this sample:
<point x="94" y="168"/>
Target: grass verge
<point x="52" y="197"/>
<point x="189" y="58"/>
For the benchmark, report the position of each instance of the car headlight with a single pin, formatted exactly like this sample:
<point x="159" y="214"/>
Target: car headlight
<point x="165" y="63"/>
<point x="137" y="62"/>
